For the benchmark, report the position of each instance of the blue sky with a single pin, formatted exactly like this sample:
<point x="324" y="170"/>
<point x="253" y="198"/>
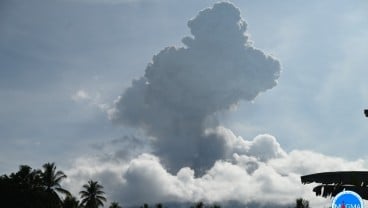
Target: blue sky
<point x="63" y="63"/>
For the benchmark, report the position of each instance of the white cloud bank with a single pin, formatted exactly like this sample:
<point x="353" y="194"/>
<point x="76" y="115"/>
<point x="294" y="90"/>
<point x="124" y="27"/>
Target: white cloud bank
<point x="259" y="171"/>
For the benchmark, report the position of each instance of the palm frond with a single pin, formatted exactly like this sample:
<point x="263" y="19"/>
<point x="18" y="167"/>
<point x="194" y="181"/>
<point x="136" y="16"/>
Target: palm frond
<point x="333" y="183"/>
<point x="358" y="178"/>
<point x="63" y="191"/>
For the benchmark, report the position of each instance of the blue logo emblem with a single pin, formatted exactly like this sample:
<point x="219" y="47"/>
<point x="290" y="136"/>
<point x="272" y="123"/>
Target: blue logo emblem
<point x="347" y="199"/>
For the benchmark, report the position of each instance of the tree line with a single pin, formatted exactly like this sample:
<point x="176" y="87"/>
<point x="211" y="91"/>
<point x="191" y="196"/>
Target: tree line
<point x="41" y="188"/>
<point x="31" y="188"/>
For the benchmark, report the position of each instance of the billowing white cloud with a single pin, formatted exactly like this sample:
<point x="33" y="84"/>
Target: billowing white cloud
<point x="264" y="147"/>
<point x="245" y="178"/>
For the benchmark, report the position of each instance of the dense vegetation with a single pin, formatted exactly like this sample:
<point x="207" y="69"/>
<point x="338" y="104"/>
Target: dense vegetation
<point x="35" y="188"/>
<point x="31" y="188"/>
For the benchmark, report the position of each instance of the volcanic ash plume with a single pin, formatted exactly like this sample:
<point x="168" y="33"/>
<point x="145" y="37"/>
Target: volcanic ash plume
<point x="182" y="88"/>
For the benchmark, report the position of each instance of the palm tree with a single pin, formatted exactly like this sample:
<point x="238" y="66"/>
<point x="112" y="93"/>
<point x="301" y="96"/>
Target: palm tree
<point x="115" y="205"/>
<point x="50" y="180"/>
<point x="92" y="195"/>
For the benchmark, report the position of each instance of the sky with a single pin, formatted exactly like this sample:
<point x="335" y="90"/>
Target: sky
<point x="73" y="75"/>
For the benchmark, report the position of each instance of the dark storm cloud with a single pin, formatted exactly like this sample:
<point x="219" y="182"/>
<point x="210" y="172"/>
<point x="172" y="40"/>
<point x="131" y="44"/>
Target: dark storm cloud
<point x="182" y="88"/>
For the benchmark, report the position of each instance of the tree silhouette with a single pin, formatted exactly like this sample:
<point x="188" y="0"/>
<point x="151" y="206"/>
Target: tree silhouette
<point x="70" y="202"/>
<point x="203" y="205"/>
<point x="199" y="205"/>
<point x="27" y="178"/>
<point x="92" y="195"/>
<point x="333" y="183"/>
<point x="115" y="205"/>
<point x="302" y="203"/>
<point x="22" y="189"/>
<point x="50" y="180"/>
